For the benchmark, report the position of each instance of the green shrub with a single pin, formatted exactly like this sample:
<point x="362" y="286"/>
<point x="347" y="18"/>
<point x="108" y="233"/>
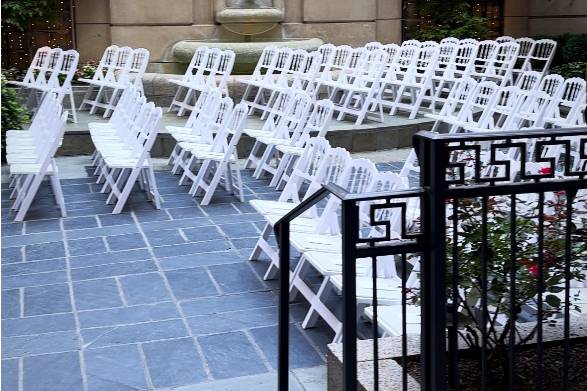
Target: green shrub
<point x="572" y="69"/>
<point x="575" y="48"/>
<point x="19" y="13"/>
<point x="449" y="18"/>
<point x="13" y="115"/>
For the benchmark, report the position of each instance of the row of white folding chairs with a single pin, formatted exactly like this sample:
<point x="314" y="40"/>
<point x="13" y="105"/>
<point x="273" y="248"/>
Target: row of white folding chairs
<point x="208" y="68"/>
<point x="123" y="146"/>
<point x="316" y="236"/>
<point x="279" y="69"/>
<point x="30" y="155"/>
<point x="51" y="70"/>
<point x="205" y="152"/>
<point x="118" y="68"/>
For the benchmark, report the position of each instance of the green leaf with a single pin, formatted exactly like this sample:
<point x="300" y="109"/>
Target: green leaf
<point x="553" y="301"/>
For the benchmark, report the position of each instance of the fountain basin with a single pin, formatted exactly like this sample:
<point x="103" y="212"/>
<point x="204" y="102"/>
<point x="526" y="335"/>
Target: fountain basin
<point x="247" y="53"/>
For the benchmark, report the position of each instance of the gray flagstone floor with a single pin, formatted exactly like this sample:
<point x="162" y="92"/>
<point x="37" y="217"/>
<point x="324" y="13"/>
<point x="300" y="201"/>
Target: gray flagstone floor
<point x="146" y="299"/>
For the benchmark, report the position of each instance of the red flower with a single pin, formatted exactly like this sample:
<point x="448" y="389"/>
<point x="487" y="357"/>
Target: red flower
<point x="533" y="269"/>
<point x="545" y="170"/>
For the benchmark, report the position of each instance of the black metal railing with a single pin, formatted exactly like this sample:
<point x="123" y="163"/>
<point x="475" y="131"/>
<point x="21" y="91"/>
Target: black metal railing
<point x="499" y="242"/>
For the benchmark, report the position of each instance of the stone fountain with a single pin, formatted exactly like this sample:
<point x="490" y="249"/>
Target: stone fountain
<point x="244" y="22"/>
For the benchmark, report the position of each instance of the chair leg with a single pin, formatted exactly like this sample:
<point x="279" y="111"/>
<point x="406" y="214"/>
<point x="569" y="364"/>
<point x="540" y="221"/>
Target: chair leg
<point x="126" y="191"/>
<point x="29" y="196"/>
<point x="72" y="104"/>
<point x="58" y="193"/>
<point x="264" y="236"/>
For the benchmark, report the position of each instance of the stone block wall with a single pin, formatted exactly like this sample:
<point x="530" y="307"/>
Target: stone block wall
<point x="158" y="24"/>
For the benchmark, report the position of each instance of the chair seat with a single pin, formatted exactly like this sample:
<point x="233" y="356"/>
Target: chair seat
<point x="389" y="290"/>
<point x="195" y="148"/>
<point x="123" y="162"/>
<point x="290" y="150"/>
<point x="189" y="138"/>
<point x="269" y="206"/>
<point x="390" y="319"/>
<point x="104" y="83"/>
<point x="308" y="241"/>
<point x="328" y="263"/>
<point x="256" y="133"/>
<point x="273" y="141"/>
<point x="30" y="168"/>
<point x="178" y="129"/>
<point x="216" y="156"/>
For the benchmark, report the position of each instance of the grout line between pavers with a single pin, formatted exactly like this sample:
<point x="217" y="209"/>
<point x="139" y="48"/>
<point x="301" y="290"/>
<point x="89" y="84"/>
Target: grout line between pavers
<point x="21" y="301"/>
<point x="258" y="349"/>
<point x="174" y="299"/>
<point x="106" y="244"/>
<point x="298" y="325"/>
<point x="74" y="310"/>
<point x="214" y="282"/>
<point x="20" y="373"/>
<point x="120" y="291"/>
<point x="147" y="373"/>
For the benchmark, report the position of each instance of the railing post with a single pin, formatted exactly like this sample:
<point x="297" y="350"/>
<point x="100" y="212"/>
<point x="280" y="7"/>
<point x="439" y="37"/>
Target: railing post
<point x="283" y="339"/>
<point x="432" y="155"/>
<point x="350" y="236"/>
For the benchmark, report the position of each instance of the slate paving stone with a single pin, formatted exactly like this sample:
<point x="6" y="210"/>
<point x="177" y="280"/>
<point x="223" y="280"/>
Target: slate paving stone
<point x="128" y="315"/>
<point x="80" y="222"/>
<point x="37" y="226"/>
<point x="245" y="230"/>
<point x="110" y="219"/>
<point x="52" y="372"/>
<point x="12" y="254"/>
<point x="202" y="233"/>
<point x="191" y="248"/>
<point x="47" y="299"/>
<point x="117" y="368"/>
<point x="175" y="224"/>
<point x="232" y="321"/>
<point x="37" y="324"/>
<point x="183" y="284"/>
<point x="86" y="246"/>
<point x="164" y="237"/>
<point x="228" y="303"/>
<point x="93" y="294"/>
<point x="203" y="259"/>
<point x="36" y="279"/>
<point x="231" y="355"/>
<point x="152" y="215"/>
<point x="185" y="213"/>
<point x="233" y="278"/>
<point x="125" y="242"/>
<point x="243" y="243"/>
<point x="61" y="341"/>
<point x="144" y="288"/>
<point x="9" y="374"/>
<point x="36" y="252"/>
<point x="111" y="270"/>
<point x="102" y="231"/>
<point x="110" y="258"/>
<point x="10" y="303"/>
<point x="10" y="229"/>
<point x="142" y="332"/>
<point x="174" y="363"/>
<point x="221" y="210"/>
<point x="302" y="354"/>
<point x="48" y="265"/>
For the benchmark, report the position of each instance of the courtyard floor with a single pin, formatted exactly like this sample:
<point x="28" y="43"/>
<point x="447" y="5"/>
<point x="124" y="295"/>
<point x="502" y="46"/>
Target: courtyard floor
<point x="146" y="299"/>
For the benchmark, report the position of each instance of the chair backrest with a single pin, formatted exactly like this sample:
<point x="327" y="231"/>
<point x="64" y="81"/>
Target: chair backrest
<point x="207" y="100"/>
<point x="266" y="62"/>
<point x="505" y="101"/>
<point x="138" y="64"/>
<point x="458" y="97"/>
<point x="456" y="41"/>
<point x="505" y="38"/>
<point x="391" y="49"/>
<point x="120" y="68"/>
<point x="529" y="81"/>
<point x="216" y="122"/>
<point x="108" y="59"/>
<point x="526" y="47"/>
<point x="230" y="131"/>
<point x="446" y="56"/>
<point x="537" y="103"/>
<point x="318" y="121"/>
<point x="541" y="56"/>
<point x="284" y="57"/>
<point x="278" y="110"/>
<point x="503" y="63"/>
<point x="50" y="67"/>
<point x="326" y="52"/>
<point x="567" y="105"/>
<point x="197" y="63"/>
<point x="61" y="77"/>
<point x="373" y="45"/>
<point x="483" y="96"/>
<point x="224" y="70"/>
<point x="38" y="62"/>
<point x="464" y="60"/>
<point x="411" y="42"/>
<point x="486" y="51"/>
<point x="296" y="116"/>
<point x="428" y="44"/>
<point x="423" y="66"/>
<point x="469" y="41"/>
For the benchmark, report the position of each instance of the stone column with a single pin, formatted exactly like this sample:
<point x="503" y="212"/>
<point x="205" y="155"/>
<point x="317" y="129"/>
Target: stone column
<point x="389" y="23"/>
<point x="92" y="28"/>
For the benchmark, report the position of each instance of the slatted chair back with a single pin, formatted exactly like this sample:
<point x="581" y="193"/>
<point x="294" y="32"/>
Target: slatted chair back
<point x="118" y="72"/>
<point x="391" y="49"/>
<point x="464" y="61"/>
<point x="458" y="97"/>
<point x="215" y="122"/>
<point x="469" y="41"/>
<point x="307" y="76"/>
<point x="486" y="51"/>
<point x="284" y="57"/>
<point x="197" y="63"/>
<point x="372" y="68"/>
<point x="148" y="137"/>
<point x="424" y="65"/>
<point x="505" y="38"/>
<point x="428" y="44"/>
<point x="296" y="116"/>
<point x="39" y="62"/>
<point x="138" y="66"/>
<point x="326" y="52"/>
<point x="318" y="121"/>
<point x="224" y="69"/>
<point x="529" y="81"/>
<point x="482" y="98"/>
<point x="297" y="66"/>
<point x="411" y="42"/>
<point x="526" y="47"/>
<point x="356" y="178"/>
<point x="62" y="76"/>
<point x="341" y="58"/>
<point x="446" y="57"/>
<point x="534" y="107"/>
<point x="212" y="63"/>
<point x="541" y="56"/>
<point x="207" y="99"/>
<point x="452" y="40"/>
<point x="498" y="113"/>
<point x="108" y="59"/>
<point x="278" y="110"/>
<point x="233" y="128"/>
<point x="50" y="67"/>
<point x="503" y="63"/>
<point x="266" y="62"/>
<point x="373" y="45"/>
<point x="567" y="106"/>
